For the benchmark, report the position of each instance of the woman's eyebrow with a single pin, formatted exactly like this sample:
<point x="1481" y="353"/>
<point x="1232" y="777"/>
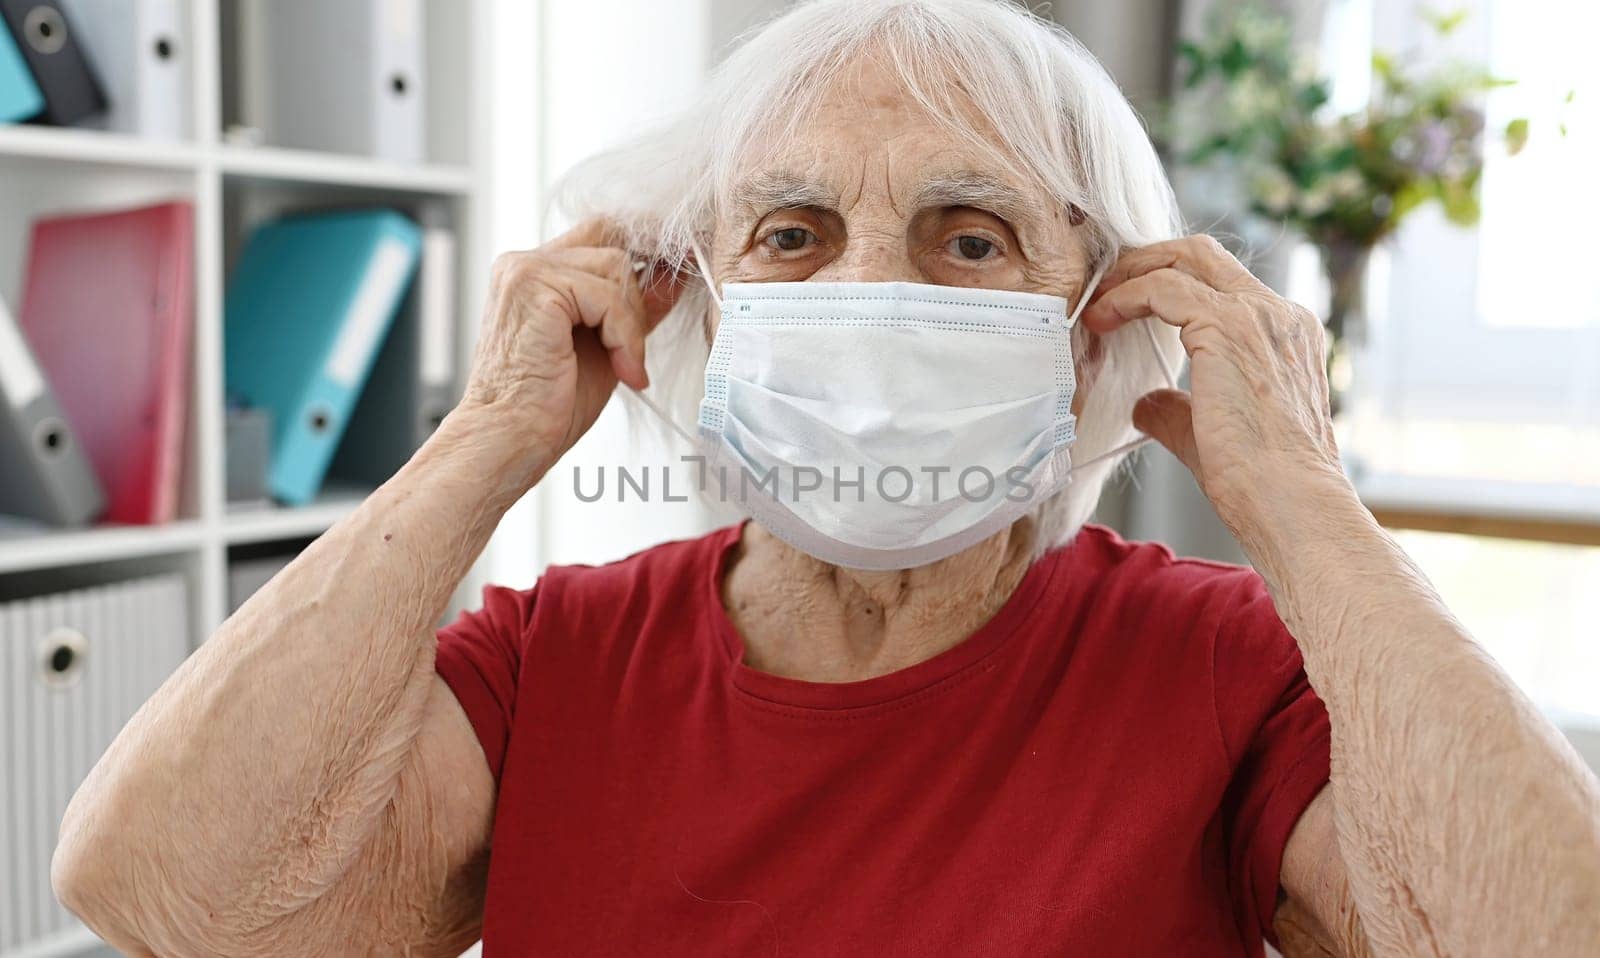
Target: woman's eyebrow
<point x="780" y="190"/>
<point x="767" y="191"/>
<point x="982" y="191"/>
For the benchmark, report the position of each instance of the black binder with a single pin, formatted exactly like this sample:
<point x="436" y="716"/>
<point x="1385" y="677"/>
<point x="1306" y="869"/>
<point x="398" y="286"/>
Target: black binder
<point x="51" y="50"/>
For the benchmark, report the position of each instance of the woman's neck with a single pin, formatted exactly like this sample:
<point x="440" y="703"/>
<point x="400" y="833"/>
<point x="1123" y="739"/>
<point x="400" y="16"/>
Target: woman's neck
<point x="805" y="619"/>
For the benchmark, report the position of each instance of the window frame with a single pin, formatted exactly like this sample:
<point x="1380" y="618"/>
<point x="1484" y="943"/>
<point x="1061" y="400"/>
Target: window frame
<point x="1427" y="338"/>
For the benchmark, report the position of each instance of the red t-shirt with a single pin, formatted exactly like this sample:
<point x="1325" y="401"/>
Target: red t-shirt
<point x="1109" y="766"/>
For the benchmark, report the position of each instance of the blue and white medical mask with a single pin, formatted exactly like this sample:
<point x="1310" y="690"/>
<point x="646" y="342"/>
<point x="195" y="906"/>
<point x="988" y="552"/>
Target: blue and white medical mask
<point x="888" y="425"/>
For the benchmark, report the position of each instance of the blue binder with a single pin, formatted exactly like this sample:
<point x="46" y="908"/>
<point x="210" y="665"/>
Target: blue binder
<point x="310" y="302"/>
<point x="20" y="98"/>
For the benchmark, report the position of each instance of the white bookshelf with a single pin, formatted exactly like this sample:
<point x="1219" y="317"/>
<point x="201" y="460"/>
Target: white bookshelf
<point x="232" y="187"/>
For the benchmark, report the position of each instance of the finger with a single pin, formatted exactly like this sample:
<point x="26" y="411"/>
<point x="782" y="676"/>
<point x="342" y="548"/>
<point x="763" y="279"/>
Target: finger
<point x="658" y="286"/>
<point x="1172" y="296"/>
<point x="1167" y="416"/>
<point x="621" y="326"/>
<point x="520" y="267"/>
<point x="1198" y="255"/>
<point x="605" y="306"/>
<point x="628" y="329"/>
<point x="611" y="262"/>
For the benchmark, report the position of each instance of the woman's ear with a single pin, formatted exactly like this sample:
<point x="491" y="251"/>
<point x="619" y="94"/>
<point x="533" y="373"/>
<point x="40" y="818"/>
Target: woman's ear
<point x="661" y="286"/>
<point x="1088" y="360"/>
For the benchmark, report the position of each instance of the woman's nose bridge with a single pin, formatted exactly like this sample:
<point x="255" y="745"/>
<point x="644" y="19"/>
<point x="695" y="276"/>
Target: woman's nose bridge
<point x="871" y="259"/>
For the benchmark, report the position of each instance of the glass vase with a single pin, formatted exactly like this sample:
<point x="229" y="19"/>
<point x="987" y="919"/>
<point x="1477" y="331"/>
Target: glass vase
<point x="1344" y="265"/>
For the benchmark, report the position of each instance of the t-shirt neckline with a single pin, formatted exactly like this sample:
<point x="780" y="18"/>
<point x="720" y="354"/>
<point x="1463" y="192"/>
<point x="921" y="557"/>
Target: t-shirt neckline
<point x="893" y="688"/>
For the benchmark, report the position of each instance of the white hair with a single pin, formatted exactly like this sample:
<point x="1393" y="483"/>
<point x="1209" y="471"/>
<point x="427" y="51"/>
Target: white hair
<point x="1050" y="114"/>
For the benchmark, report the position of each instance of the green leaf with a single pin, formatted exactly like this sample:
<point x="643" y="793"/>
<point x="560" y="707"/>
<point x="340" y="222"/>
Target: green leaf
<point x="1516" y="135"/>
<point x="1460" y="202"/>
<point x="1463" y="210"/>
<point x="1383" y="65"/>
<point x="1311" y="96"/>
<point x="1446" y="23"/>
<point x="1410" y="196"/>
<point x="1235" y="58"/>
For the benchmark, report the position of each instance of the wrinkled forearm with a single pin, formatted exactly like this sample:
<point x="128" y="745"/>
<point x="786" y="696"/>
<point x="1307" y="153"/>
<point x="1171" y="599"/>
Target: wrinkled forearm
<point x="1466" y="823"/>
<point x="250" y="781"/>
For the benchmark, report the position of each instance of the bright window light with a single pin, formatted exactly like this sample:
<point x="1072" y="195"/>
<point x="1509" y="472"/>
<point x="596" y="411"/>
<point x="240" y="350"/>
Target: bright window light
<point x="1533" y="606"/>
<point x="1539" y="207"/>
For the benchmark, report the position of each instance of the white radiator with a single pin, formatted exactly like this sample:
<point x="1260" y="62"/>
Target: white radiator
<point x="74" y="667"/>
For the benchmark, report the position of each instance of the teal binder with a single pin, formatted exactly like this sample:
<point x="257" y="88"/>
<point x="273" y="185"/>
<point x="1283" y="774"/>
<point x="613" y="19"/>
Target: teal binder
<point x="310" y="302"/>
<point x="20" y="98"/>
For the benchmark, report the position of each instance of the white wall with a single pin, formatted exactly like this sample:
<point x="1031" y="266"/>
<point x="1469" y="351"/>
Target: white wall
<point x="576" y="77"/>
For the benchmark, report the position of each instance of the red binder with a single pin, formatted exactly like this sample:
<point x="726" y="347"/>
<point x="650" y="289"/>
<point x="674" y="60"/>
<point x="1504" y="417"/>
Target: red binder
<point x="107" y="309"/>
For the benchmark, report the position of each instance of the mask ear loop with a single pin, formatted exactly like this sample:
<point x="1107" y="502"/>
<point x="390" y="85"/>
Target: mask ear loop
<point x="1088" y="291"/>
<point x="665" y="417"/>
<point x="703" y="267"/>
<point x="711" y="287"/>
<point x="1166" y="372"/>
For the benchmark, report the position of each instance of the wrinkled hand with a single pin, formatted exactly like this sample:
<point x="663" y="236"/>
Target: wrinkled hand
<point x="1256" y="422"/>
<point x="563" y="325"/>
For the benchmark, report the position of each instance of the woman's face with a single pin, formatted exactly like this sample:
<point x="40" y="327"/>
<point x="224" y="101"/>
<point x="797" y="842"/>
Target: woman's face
<point x="874" y="190"/>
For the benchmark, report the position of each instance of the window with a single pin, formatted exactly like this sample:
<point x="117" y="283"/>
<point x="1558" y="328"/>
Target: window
<point x="1479" y="387"/>
<point x="1483" y="359"/>
<point x="1540" y="206"/>
<point x="1533" y="605"/>
<point x="559" y="105"/>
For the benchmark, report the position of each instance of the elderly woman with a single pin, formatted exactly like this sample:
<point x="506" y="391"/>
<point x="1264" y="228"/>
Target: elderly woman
<point x="866" y="723"/>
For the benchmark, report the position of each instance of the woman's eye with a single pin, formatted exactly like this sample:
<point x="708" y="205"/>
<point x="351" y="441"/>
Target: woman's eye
<point x="972" y="247"/>
<point x="790" y="239"/>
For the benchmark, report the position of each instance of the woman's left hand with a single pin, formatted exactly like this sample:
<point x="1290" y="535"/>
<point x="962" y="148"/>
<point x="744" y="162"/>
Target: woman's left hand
<point x="1432" y="739"/>
<point x="1256" y="424"/>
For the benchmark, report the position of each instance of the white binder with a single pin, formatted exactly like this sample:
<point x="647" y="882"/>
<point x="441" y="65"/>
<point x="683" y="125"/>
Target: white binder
<point x="45" y="474"/>
<point x="346" y="76"/>
<point x="436" y="308"/>
<point x="413" y="381"/>
<point x="140" y="51"/>
<point x="74" y="667"/>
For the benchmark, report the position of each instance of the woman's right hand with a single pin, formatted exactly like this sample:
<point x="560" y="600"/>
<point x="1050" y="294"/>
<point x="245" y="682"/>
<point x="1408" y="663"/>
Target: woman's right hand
<point x="563" y="325"/>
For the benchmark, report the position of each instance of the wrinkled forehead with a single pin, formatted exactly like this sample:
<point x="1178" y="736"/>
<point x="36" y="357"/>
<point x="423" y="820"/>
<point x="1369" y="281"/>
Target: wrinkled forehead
<point x="838" y="182"/>
<point x="867" y="135"/>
